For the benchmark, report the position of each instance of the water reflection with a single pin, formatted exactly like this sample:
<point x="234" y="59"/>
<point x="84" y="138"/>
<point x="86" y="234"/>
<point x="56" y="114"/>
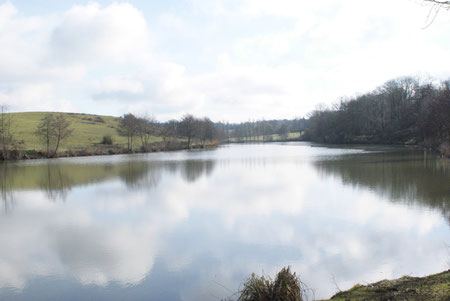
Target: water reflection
<point x="58" y="177"/>
<point x="410" y="177"/>
<point x="185" y="226"/>
<point x="7" y="196"/>
<point x="54" y="182"/>
<point x="192" y="170"/>
<point x="140" y="174"/>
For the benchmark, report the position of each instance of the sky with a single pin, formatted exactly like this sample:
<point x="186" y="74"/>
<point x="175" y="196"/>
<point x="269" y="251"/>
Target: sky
<point x="229" y="60"/>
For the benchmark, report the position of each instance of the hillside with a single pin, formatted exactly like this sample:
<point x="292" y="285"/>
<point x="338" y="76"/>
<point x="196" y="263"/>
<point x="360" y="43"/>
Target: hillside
<point x="88" y="130"/>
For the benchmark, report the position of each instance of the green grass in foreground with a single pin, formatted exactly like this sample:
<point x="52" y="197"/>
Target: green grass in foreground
<point x="287" y="286"/>
<point x="434" y="287"/>
<point x="88" y="130"/>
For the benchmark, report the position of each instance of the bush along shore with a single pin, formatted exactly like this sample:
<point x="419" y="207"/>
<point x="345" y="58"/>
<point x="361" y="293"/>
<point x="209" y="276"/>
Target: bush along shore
<point x="287" y="286"/>
<point x="102" y="150"/>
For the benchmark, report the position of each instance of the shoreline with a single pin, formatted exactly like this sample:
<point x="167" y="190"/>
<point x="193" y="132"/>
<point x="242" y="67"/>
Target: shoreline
<point x="432" y="287"/>
<point x="104" y="150"/>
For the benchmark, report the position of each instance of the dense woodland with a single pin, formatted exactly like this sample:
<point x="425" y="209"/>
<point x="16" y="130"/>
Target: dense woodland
<point x="402" y="111"/>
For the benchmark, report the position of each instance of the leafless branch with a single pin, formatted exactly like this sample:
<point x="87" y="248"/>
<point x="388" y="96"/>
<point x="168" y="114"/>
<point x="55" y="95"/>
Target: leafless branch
<point x="436" y="5"/>
<point x="443" y="3"/>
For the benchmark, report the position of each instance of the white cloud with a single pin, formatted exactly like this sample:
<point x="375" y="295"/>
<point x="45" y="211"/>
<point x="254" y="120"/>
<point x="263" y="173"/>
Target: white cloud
<point x="110" y="87"/>
<point x="89" y="33"/>
<point x="172" y="21"/>
<point x="261" y="58"/>
<point x="20" y="38"/>
<point x="35" y="97"/>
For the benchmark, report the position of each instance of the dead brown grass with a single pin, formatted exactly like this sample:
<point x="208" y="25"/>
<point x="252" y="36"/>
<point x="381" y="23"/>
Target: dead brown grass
<point x="286" y="286"/>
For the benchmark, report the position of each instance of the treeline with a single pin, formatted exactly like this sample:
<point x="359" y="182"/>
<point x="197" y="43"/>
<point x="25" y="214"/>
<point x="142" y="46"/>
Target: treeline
<point x="402" y="111"/>
<point x="265" y="129"/>
<point x="190" y="128"/>
<point x="197" y="132"/>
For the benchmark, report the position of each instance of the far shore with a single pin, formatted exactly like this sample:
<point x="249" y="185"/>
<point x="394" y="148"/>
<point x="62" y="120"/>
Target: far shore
<point x="104" y="150"/>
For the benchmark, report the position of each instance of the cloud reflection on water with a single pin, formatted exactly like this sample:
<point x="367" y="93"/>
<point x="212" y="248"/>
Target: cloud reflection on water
<point x="214" y="222"/>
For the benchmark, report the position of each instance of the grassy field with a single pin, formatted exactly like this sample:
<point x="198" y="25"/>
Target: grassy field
<point x="88" y="130"/>
<point x="275" y="137"/>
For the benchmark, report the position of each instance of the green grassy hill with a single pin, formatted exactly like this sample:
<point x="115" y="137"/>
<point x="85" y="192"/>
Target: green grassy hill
<point x="88" y="130"/>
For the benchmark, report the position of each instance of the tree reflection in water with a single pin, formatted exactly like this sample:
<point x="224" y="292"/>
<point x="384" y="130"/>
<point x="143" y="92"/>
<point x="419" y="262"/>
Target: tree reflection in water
<point x="55" y="183"/>
<point x="7" y="196"/>
<point x="57" y="178"/>
<point x="414" y="178"/>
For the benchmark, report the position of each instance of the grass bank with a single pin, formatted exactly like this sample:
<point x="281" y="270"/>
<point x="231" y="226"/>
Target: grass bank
<point x="287" y="286"/>
<point x="87" y="137"/>
<point x="88" y="130"/>
<point x="434" y="287"/>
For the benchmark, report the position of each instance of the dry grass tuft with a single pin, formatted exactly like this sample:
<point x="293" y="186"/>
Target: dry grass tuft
<point x="286" y="286"/>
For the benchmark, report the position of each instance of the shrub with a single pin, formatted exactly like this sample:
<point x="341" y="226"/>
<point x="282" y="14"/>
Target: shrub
<point x="286" y="286"/>
<point x="107" y="140"/>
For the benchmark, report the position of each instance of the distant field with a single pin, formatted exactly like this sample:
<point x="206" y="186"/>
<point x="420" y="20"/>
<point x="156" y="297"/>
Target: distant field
<point x="274" y="137"/>
<point x="88" y="130"/>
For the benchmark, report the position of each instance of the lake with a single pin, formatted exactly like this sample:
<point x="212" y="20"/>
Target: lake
<point x="195" y="225"/>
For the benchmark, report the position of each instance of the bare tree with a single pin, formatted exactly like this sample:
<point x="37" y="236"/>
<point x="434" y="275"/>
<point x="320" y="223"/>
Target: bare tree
<point x="46" y="132"/>
<point x="168" y="131"/>
<point x="62" y="130"/>
<point x="7" y="141"/>
<point x="128" y="127"/>
<point x="146" y="127"/>
<point x="205" y="130"/>
<point x="440" y="3"/>
<point x="52" y="131"/>
<point x="436" y="6"/>
<point x="188" y="127"/>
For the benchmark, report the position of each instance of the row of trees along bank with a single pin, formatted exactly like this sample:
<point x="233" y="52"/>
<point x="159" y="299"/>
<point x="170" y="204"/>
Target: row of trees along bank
<point x="199" y="131"/>
<point x="402" y="111"/>
<point x="264" y="130"/>
<point x="189" y="128"/>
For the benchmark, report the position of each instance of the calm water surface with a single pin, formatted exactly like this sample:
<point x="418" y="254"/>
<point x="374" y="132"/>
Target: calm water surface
<point x="194" y="225"/>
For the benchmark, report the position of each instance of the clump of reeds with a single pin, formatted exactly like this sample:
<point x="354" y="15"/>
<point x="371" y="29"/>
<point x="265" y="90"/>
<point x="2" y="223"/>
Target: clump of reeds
<point x="286" y="286"/>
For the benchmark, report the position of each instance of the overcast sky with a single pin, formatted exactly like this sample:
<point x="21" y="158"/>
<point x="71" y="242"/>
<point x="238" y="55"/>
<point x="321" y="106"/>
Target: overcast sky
<point x="226" y="59"/>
